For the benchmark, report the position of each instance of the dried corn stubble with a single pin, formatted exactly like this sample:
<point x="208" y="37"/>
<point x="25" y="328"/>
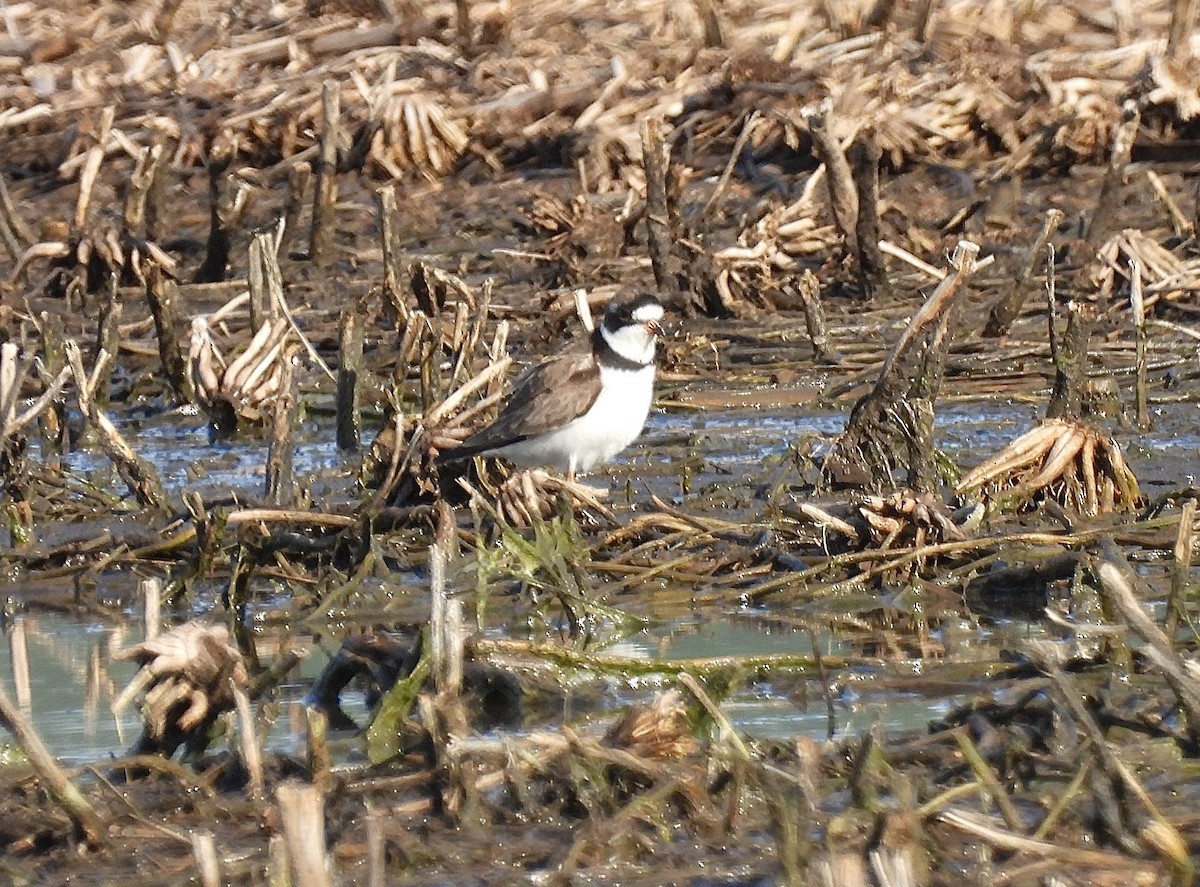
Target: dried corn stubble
<point x="95" y="255"/>
<point x="418" y="135"/>
<point x="530" y="496"/>
<point x="243" y="389"/>
<point x="905" y="519"/>
<point x="1069" y="462"/>
<point x="1165" y="275"/>
<point x="402" y="461"/>
<point x="908" y="518"/>
<point x="188" y="676"/>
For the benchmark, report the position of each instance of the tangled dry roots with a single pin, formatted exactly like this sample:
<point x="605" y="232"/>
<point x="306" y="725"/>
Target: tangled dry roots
<point x="97" y="253"/>
<point x="529" y="496"/>
<point x="248" y="385"/>
<point x="1066" y="461"/>
<point x="908" y="518"/>
<point x="660" y="731"/>
<point x="189" y="676"/>
<point x="418" y="135"/>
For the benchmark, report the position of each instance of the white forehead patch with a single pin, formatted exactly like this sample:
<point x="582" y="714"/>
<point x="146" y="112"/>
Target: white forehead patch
<point x="648" y="313"/>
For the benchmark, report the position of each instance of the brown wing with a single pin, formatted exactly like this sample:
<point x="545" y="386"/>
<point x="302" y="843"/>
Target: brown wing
<point x="544" y="398"/>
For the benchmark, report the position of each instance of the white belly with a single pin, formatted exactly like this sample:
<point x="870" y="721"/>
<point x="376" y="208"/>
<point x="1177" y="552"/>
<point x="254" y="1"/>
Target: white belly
<point x="613" y="423"/>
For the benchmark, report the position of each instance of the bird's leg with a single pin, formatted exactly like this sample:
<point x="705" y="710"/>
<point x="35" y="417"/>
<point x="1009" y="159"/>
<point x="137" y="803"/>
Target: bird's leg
<point x="571" y="470"/>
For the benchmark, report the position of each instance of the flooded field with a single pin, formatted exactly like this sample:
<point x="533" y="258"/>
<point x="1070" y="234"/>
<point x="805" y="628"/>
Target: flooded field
<point x="894" y="588"/>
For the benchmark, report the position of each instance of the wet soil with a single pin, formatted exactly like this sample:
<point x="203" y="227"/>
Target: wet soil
<point x="837" y="681"/>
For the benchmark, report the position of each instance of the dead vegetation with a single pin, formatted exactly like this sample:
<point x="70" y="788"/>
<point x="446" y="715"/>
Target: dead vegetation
<point x="367" y="215"/>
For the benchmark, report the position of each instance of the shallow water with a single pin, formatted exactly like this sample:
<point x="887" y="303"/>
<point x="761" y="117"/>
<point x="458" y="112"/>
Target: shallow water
<point x="75" y="680"/>
<point x="177" y="443"/>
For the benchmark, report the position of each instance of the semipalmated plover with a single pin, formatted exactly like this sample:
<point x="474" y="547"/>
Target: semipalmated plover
<point x="580" y="408"/>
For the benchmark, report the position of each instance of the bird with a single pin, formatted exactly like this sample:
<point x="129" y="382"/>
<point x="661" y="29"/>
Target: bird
<point x="579" y="408"/>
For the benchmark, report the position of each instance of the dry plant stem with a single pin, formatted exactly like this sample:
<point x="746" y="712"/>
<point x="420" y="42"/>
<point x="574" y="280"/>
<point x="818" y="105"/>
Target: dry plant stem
<point x="1179" y="38"/>
<point x="1117" y="583"/>
<point x="893" y="424"/>
<point x="302" y="809"/>
<point x="809" y="290"/>
<point x="1064" y="799"/>
<point x="320" y="758"/>
<point x="1070" y="352"/>
<point x="462" y="24"/>
<point x="655" y="160"/>
<point x="981" y="828"/>
<point x="392" y="477"/>
<point x="494" y="371"/>
<point x="941" y="801"/>
<point x="278" y="873"/>
<point x="14" y="233"/>
<point x="204" y="848"/>
<point x="18" y="652"/>
<point x="281" y="480"/>
<point x="288" y="516"/>
<point x="729" y="735"/>
<point x="156" y="201"/>
<point x="1183" y="228"/>
<point x="842" y="869"/>
<point x="265" y="279"/>
<point x="350" y="348"/>
<point x="161" y="293"/>
<point x="393" y="258"/>
<point x="901" y="558"/>
<point x="89" y="824"/>
<point x="323" y="224"/>
<point x="443" y="642"/>
<point x="1007" y="308"/>
<point x="1108" y="204"/>
<point x="727" y="174"/>
<point x="248" y="743"/>
<point x="299" y="176"/>
<point x="843" y="196"/>
<point x="108" y="337"/>
<point x="138" y="474"/>
<point x="1177" y="603"/>
<point x="895" y="865"/>
<point x="872" y="273"/>
<point x="152" y="590"/>
<point x="140" y="185"/>
<point x="52" y="424"/>
<point x="983" y="772"/>
<point x="280" y="306"/>
<point x="1138" y="304"/>
<point x="376" y="855"/>
<point x="91" y="167"/>
<point x="710" y="17"/>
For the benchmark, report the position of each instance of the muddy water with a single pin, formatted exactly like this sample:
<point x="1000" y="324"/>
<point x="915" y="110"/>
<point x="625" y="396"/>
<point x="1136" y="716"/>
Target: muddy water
<point x="74" y="680"/>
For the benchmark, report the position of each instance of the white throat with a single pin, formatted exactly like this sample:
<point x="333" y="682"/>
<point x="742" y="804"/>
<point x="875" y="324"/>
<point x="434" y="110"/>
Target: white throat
<point x="633" y="343"/>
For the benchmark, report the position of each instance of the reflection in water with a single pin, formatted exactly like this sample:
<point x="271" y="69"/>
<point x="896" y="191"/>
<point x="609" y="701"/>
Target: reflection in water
<point x="72" y="683"/>
<point x="74" y="680"/>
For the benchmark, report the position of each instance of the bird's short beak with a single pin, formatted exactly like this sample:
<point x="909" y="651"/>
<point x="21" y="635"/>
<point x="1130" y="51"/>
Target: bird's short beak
<point x="654" y="328"/>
